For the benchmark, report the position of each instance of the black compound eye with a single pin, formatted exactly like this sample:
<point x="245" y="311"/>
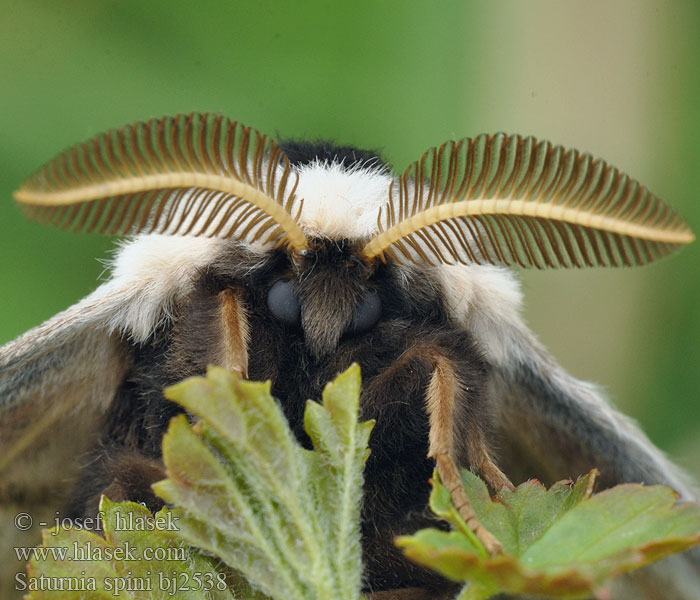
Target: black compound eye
<point x="284" y="303"/>
<point x="366" y="314"/>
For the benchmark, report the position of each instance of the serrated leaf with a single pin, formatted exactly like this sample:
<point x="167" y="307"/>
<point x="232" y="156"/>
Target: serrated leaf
<point x="139" y="557"/>
<point x="519" y="517"/>
<point x="562" y="542"/>
<point x="285" y="517"/>
<point x="620" y="523"/>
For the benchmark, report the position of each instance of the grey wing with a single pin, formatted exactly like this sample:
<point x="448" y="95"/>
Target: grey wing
<point x="552" y="426"/>
<point x="56" y="381"/>
<point x="563" y="426"/>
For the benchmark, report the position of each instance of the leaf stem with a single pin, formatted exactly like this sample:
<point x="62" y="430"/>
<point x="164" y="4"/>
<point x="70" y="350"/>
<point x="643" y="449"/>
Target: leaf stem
<point x="478" y="590"/>
<point x="473" y="538"/>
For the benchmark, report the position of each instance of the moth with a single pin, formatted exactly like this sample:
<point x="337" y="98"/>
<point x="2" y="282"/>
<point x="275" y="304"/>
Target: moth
<point x="289" y="261"/>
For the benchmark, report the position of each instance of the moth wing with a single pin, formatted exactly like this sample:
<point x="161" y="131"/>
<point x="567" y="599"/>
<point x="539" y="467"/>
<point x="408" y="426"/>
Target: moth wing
<point x="552" y="426"/>
<point x="558" y="426"/>
<point x="56" y="382"/>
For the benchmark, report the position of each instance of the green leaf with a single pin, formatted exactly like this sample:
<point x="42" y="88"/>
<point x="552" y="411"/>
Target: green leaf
<point x="140" y="556"/>
<point x="285" y="517"/>
<point x="563" y="542"/>
<point x="519" y="517"/>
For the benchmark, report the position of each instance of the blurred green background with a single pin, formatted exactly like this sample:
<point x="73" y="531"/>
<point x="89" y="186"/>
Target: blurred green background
<point x="617" y="78"/>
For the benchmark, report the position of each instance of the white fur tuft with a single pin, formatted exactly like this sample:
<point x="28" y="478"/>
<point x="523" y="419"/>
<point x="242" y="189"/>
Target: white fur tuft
<point x="340" y="201"/>
<point x="486" y="300"/>
<point x="158" y="269"/>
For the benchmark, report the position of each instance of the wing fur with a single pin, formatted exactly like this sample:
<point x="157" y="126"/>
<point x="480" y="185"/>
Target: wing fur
<point x="55" y="383"/>
<point x="62" y="372"/>
<point x="57" y="380"/>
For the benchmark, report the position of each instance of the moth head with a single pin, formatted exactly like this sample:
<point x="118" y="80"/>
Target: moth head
<point x="330" y="294"/>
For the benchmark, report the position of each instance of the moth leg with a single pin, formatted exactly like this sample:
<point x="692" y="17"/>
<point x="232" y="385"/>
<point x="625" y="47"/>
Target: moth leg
<point x="121" y="474"/>
<point x="236" y="332"/>
<point x="133" y="476"/>
<point x="480" y="459"/>
<point x="441" y="397"/>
